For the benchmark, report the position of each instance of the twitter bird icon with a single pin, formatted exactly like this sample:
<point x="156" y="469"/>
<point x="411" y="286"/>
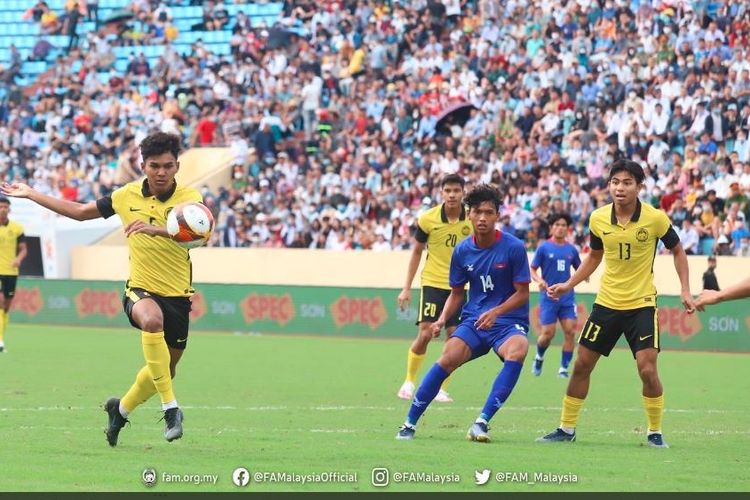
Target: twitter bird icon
<point x="482" y="477"/>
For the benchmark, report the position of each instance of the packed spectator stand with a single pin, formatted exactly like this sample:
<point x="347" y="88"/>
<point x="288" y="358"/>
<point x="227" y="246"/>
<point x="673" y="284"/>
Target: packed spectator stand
<point x="342" y="116"/>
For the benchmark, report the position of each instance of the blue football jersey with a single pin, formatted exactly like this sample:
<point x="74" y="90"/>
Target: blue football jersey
<point x="491" y="273"/>
<point x="556" y="262"/>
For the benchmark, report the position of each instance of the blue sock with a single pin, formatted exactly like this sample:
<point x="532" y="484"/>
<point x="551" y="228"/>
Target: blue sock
<point x="540" y="351"/>
<point x="566" y="357"/>
<point x="427" y="391"/>
<point x="501" y="389"/>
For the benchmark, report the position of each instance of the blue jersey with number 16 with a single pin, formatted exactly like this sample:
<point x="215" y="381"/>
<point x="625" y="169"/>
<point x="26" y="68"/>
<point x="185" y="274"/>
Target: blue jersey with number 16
<point x="556" y="261"/>
<point x="491" y="273"/>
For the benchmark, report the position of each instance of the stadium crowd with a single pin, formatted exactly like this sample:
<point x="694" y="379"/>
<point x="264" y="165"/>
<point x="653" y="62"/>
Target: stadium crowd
<point x="343" y="116"/>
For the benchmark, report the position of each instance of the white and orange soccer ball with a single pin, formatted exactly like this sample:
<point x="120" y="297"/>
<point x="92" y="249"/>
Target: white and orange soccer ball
<point x="190" y="224"/>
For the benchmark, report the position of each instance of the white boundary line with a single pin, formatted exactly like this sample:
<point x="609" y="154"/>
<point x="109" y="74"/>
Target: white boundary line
<point x="325" y="408"/>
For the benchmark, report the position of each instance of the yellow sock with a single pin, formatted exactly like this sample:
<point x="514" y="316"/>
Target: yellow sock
<point x="140" y="392"/>
<point x="3" y="322"/>
<point x="654" y="411"/>
<point x="413" y="362"/>
<point x="157" y="360"/>
<point x="570" y="410"/>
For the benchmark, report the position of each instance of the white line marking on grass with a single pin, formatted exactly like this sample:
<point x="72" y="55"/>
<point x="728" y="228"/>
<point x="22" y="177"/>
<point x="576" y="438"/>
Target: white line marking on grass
<point x="435" y="407"/>
<point x="228" y="430"/>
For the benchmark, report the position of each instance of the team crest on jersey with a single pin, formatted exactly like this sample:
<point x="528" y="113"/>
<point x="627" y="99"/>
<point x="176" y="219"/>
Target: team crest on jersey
<point x="465" y="230"/>
<point x="642" y="235"/>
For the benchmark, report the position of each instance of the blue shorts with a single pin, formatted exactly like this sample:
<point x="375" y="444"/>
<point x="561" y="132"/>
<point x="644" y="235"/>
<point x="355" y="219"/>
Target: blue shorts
<point x="551" y="311"/>
<point x="481" y="341"/>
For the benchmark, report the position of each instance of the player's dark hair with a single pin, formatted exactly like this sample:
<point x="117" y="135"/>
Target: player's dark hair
<point x="629" y="166"/>
<point x="160" y="143"/>
<point x="557" y="216"/>
<point x="482" y="193"/>
<point x="5" y="200"/>
<point x="452" y="179"/>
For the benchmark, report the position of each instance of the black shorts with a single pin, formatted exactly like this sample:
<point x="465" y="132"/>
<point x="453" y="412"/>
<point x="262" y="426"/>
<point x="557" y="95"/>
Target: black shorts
<point x="604" y="327"/>
<point x="431" y="302"/>
<point x="176" y="312"/>
<point x="8" y="285"/>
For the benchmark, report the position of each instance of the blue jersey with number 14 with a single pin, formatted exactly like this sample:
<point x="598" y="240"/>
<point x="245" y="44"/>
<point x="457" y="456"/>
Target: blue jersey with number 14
<point x="556" y="261"/>
<point x="491" y="273"/>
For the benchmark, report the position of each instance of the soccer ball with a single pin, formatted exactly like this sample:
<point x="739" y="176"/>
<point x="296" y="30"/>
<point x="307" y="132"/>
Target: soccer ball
<point x="190" y="224"/>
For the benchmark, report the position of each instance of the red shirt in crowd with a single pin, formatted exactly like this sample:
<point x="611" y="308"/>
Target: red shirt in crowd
<point x="206" y="131"/>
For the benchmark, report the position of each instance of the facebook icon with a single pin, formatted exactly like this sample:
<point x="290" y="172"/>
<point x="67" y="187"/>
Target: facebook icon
<point x="241" y="476"/>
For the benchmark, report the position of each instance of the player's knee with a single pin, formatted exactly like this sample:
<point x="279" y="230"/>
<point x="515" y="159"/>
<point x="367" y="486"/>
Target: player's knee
<point x="583" y="366"/>
<point x="449" y="363"/>
<point x="647" y="372"/>
<point x="152" y="324"/>
<point x="517" y="355"/>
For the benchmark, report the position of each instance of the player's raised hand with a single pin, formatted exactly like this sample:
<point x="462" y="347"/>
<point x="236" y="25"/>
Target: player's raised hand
<point x="707" y="298"/>
<point x="689" y="304"/>
<point x="486" y="320"/>
<point x="404" y="298"/>
<point x="16" y="189"/>
<point x="554" y="292"/>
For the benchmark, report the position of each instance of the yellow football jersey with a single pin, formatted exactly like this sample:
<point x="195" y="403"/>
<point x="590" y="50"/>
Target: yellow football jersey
<point x="11" y="234"/>
<point x="629" y="252"/>
<point x="441" y="237"/>
<point x="157" y="264"/>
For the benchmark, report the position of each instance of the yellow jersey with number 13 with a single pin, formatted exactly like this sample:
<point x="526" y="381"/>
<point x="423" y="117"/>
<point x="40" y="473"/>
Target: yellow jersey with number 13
<point x="629" y="252"/>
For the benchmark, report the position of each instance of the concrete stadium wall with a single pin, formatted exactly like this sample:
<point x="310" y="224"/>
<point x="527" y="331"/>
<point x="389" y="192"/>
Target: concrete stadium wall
<point x="346" y="269"/>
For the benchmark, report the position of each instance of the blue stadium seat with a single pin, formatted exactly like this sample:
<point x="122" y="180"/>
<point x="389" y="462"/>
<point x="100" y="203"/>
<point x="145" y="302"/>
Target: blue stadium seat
<point x="185" y="24"/>
<point x="187" y="11"/>
<point x="117" y="4"/>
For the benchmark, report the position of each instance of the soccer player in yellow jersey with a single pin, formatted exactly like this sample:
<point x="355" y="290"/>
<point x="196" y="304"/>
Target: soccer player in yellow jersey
<point x="440" y="229"/>
<point x="12" y="253"/>
<point x="157" y="293"/>
<point x="626" y="234"/>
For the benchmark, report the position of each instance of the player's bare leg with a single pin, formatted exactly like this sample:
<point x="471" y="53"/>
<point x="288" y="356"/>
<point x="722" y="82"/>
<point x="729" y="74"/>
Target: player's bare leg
<point x="653" y="395"/>
<point x="546" y="335"/>
<point x="578" y="387"/>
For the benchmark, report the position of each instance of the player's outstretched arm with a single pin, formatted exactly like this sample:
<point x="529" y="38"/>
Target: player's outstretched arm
<point x="588" y="266"/>
<point x="77" y="211"/>
<point x="683" y="271"/>
<point x="739" y="290"/>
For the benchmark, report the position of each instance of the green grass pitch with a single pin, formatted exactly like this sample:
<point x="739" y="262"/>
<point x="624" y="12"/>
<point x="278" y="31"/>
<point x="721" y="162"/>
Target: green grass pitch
<point x="310" y="405"/>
